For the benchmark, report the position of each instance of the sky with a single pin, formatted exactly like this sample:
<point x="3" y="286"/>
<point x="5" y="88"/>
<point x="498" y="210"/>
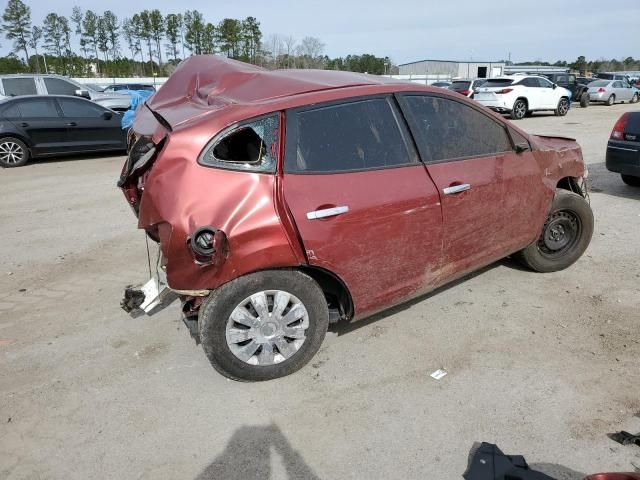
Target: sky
<point x="410" y="30"/>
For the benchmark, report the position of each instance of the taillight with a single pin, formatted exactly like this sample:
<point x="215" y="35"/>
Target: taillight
<point x="601" y="90"/>
<point x="504" y="90"/>
<point x="465" y="92"/>
<point x="618" y="128"/>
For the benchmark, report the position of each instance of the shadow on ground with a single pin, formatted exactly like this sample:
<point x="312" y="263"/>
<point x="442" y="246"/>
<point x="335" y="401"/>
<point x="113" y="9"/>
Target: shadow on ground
<point x="602" y="180"/>
<point x="33" y="163"/>
<point x="252" y="453"/>
<point x="558" y="472"/>
<point x="343" y="327"/>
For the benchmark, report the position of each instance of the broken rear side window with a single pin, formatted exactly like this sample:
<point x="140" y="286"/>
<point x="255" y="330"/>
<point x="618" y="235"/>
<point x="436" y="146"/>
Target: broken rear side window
<point x="251" y="146"/>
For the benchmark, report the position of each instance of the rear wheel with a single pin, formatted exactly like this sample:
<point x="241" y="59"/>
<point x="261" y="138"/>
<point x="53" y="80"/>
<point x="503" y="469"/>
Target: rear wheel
<point x="584" y="100"/>
<point x="264" y="325"/>
<point x="519" y="109"/>
<point x="565" y="235"/>
<point x="634" y="99"/>
<point x="562" y="108"/>
<point x="631" y="180"/>
<point x="611" y="100"/>
<point x="13" y="152"/>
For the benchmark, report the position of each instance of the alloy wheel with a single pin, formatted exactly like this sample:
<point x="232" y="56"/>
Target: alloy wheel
<point x="563" y="108"/>
<point x="267" y="328"/>
<point x="11" y="153"/>
<point x="520" y="108"/>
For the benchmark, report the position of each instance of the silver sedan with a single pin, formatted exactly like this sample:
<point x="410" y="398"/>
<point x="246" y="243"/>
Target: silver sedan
<point x="612" y="91"/>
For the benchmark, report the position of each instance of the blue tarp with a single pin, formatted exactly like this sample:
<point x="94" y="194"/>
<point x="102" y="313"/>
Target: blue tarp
<point x="137" y="98"/>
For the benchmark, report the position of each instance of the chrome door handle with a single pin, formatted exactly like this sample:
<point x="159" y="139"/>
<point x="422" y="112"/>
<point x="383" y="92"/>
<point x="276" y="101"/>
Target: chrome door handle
<point x="327" y="212"/>
<point x="456" y="189"/>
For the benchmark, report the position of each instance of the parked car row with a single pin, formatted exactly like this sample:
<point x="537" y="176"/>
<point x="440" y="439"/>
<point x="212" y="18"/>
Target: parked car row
<point x="34" y="126"/>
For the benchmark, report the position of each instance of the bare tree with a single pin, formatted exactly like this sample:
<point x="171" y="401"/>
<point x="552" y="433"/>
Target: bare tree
<point x="290" y="45"/>
<point x="311" y="50"/>
<point x="275" y="46"/>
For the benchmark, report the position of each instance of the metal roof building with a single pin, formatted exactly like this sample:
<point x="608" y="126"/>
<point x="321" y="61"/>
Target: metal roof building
<point x="452" y="69"/>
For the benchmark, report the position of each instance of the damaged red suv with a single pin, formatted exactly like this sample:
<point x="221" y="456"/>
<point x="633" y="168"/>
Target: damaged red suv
<point x="286" y="200"/>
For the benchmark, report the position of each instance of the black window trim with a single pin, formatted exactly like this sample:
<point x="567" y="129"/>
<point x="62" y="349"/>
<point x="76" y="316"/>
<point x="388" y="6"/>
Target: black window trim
<point x="291" y="140"/>
<point x="234" y="126"/>
<point x="408" y="116"/>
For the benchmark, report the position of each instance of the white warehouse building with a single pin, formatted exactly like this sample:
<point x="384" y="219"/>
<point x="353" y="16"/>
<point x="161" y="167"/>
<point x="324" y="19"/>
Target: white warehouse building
<point x="433" y="70"/>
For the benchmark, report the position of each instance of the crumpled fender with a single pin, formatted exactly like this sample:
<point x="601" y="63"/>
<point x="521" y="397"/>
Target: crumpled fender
<point x="558" y="157"/>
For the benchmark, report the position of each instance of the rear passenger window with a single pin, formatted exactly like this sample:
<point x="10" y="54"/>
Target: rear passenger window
<point x="251" y="146"/>
<point x="359" y="135"/>
<point x="19" y="86"/>
<point x="446" y="129"/>
<point x="38" y="107"/>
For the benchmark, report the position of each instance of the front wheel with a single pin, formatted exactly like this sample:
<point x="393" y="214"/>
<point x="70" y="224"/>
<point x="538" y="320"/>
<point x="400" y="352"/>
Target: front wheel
<point x="264" y="325"/>
<point x="562" y="108"/>
<point x="519" y="109"/>
<point x="611" y="100"/>
<point x="565" y="235"/>
<point x="634" y="99"/>
<point x="631" y="180"/>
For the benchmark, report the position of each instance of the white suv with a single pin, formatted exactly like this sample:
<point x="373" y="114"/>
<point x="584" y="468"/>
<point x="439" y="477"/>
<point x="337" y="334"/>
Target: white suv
<point x="520" y="95"/>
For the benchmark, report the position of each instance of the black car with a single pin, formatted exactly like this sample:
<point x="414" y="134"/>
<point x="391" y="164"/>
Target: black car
<point x="570" y="82"/>
<point x="34" y="126"/>
<point x="117" y="87"/>
<point x="623" y="149"/>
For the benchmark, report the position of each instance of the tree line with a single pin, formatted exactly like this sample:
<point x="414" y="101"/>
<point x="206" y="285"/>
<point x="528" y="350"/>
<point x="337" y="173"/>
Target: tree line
<point x="150" y="43"/>
<point x="581" y="64"/>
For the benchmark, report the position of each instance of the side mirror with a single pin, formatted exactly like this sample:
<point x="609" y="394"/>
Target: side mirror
<point x="83" y="94"/>
<point x="522" y="147"/>
<point x="554" y="86"/>
<point x="107" y="115"/>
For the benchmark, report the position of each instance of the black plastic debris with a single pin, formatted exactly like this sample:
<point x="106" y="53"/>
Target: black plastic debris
<point x="489" y="463"/>
<point x="626" y="438"/>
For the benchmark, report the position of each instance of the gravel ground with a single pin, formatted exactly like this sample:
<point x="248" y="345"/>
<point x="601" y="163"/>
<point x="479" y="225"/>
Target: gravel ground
<point x="543" y="365"/>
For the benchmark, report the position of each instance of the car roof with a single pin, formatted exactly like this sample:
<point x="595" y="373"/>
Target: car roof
<point x="18" y="98"/>
<point x="202" y="84"/>
<point x="204" y="77"/>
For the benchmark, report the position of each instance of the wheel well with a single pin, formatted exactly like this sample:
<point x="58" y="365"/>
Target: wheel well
<point x="19" y="137"/>
<point x="571" y="184"/>
<point x="524" y="99"/>
<point x="337" y="293"/>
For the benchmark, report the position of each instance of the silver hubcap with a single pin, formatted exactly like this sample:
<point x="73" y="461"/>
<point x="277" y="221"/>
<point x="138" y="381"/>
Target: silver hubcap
<point x="521" y="109"/>
<point x="10" y="153"/>
<point x="267" y="328"/>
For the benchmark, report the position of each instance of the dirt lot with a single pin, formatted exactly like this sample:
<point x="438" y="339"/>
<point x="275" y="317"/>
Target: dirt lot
<point x="543" y="365"/>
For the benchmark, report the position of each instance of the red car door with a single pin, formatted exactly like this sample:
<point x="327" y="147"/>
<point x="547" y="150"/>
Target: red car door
<point x="464" y="150"/>
<point x="363" y="204"/>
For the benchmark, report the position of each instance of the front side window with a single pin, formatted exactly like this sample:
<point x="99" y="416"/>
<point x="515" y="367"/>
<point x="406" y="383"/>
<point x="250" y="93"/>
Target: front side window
<point x="77" y="108"/>
<point x="14" y="87"/>
<point x="38" y="108"/>
<point x="57" y="86"/>
<point x="251" y="146"/>
<point x="544" y="83"/>
<point x="359" y="135"/>
<point x="445" y="129"/>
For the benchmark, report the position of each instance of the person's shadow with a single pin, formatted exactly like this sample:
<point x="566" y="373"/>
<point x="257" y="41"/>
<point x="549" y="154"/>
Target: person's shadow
<point x="252" y="452"/>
